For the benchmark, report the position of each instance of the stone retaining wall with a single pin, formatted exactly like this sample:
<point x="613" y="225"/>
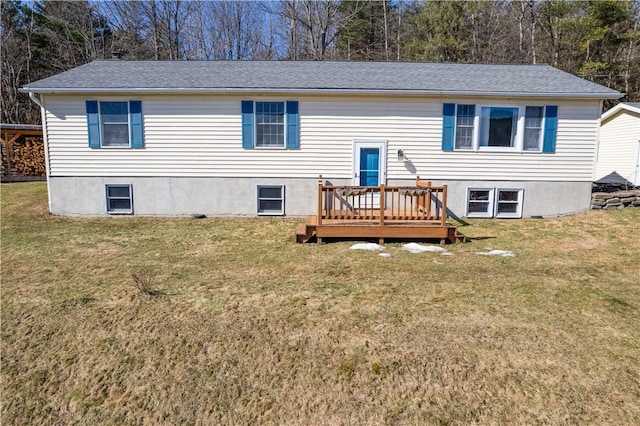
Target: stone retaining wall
<point x="615" y="200"/>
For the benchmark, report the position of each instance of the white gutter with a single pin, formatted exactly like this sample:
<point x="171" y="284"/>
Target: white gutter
<point x="230" y="90"/>
<point x="32" y="96"/>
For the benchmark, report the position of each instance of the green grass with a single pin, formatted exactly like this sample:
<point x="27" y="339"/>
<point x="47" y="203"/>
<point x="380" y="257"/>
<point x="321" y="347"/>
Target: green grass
<point x="245" y="326"/>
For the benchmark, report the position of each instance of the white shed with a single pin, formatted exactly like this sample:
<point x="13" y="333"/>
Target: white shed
<point x="619" y="143"/>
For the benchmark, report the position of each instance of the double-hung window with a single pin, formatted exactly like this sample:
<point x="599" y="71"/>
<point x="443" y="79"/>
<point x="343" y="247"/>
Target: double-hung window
<point x="465" y="117"/>
<point x="519" y="128"/>
<point x="480" y="202"/>
<point x="533" y="128"/>
<point x="115" y="124"/>
<point x="508" y="202"/>
<point x="270" y="124"/>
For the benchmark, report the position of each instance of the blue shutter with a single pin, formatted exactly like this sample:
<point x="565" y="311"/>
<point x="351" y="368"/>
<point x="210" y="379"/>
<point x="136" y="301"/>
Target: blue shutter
<point x="93" y="124"/>
<point x="135" y="124"/>
<point x="293" y="134"/>
<point x="247" y="124"/>
<point x="550" y="128"/>
<point x="448" y="126"/>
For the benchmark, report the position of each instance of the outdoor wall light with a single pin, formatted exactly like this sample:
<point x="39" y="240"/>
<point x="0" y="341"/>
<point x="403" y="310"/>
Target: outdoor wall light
<point x="401" y="155"/>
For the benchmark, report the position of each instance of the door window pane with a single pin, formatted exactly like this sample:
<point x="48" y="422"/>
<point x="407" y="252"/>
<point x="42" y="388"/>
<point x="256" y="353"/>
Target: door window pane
<point x="369" y="166"/>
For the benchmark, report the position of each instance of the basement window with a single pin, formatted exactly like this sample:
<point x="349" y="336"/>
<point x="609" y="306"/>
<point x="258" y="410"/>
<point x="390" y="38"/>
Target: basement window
<point x="270" y="200"/>
<point x="509" y="203"/>
<point x="494" y="202"/>
<point x="480" y="202"/>
<point x="119" y="199"/>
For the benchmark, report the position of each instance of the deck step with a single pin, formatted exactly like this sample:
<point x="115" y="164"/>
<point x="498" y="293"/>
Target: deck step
<point x="460" y="237"/>
<point x="304" y="232"/>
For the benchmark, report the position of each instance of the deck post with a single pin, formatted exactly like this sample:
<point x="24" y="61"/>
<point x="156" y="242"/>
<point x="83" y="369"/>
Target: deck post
<point x="382" y="207"/>
<point x="443" y="215"/>
<point x="319" y="217"/>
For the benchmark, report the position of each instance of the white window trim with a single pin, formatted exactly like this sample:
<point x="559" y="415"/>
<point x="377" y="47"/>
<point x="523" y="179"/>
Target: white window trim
<point x="107" y="198"/>
<point x="518" y="213"/>
<point x="102" y="145"/>
<point x="494" y="196"/>
<point x="491" y="199"/>
<point x="282" y="199"/>
<point x="255" y="125"/>
<point x="519" y="141"/>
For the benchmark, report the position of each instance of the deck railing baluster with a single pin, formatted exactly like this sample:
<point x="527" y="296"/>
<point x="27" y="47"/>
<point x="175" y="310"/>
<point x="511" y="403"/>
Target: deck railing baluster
<point x="381" y="204"/>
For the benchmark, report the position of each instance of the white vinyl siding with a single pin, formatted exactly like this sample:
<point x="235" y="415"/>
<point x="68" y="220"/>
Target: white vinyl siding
<point x="619" y="147"/>
<point x="200" y="136"/>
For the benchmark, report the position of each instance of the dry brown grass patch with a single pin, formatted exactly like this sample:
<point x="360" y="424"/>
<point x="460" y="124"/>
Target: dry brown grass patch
<point x="254" y="328"/>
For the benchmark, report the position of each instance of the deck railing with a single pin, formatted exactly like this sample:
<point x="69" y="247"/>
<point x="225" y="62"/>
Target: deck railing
<point x="338" y="204"/>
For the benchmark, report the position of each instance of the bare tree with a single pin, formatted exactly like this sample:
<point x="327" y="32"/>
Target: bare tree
<point x="310" y="27"/>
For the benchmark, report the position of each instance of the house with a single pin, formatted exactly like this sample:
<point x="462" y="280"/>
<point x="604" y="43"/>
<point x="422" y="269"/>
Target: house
<point x="618" y="154"/>
<point x="251" y="138"/>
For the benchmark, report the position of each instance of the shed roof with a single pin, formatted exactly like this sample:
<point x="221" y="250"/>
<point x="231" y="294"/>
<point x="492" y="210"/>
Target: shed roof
<point x="118" y="76"/>
<point x="6" y="126"/>
<point x="620" y="108"/>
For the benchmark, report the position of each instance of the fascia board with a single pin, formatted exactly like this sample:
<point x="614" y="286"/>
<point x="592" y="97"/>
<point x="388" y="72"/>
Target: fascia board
<point x="613" y="111"/>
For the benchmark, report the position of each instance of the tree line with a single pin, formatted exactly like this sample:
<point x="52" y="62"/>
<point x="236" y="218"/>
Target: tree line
<point x="597" y="40"/>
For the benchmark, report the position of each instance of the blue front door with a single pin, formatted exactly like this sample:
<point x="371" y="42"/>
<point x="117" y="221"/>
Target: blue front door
<point x="369" y="166"/>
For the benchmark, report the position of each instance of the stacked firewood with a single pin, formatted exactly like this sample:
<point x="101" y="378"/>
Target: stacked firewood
<point x="27" y="157"/>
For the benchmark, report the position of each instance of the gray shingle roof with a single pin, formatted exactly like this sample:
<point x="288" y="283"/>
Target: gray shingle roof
<point x="304" y="76"/>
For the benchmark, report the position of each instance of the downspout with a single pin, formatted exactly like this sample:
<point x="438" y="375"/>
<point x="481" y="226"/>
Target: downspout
<point x="34" y="98"/>
<point x="38" y="101"/>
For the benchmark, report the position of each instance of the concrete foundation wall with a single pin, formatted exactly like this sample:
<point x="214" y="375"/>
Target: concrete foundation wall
<point x="175" y="196"/>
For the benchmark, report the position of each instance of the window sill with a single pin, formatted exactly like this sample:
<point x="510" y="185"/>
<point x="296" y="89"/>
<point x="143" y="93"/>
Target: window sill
<point x="496" y="150"/>
<point x="271" y="148"/>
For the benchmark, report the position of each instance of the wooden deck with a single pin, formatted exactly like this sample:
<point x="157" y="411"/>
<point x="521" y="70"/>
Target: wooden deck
<point x="416" y="212"/>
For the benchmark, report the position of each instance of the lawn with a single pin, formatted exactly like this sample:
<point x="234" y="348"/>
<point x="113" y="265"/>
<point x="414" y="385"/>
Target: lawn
<point x="245" y="326"/>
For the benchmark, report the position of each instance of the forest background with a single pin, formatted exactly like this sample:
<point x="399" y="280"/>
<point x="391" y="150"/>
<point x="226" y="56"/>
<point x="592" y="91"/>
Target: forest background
<point x="597" y="40"/>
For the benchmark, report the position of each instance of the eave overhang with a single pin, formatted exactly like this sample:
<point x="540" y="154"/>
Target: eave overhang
<point x="315" y="91"/>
